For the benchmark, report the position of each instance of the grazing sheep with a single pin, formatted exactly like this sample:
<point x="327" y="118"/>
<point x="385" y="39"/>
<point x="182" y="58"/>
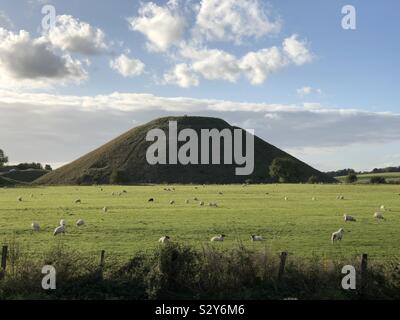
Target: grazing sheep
<point x="78" y="201"/>
<point x="124" y="191"/>
<point x="31" y="195"/>
<point x="256" y="238"/>
<point x="220" y="193"/>
<point x="105" y="209"/>
<point x="313" y="199"/>
<point x="172" y="202"/>
<point x="19" y="199"/>
<point x="63" y="223"/>
<point x="379" y="215"/>
<point x="212" y="204"/>
<point x="286" y="198"/>
<point x="201" y="203"/>
<point x="218" y="238"/>
<point x="80" y="222"/>
<point x="59" y="230"/>
<point x="187" y="201"/>
<point x="382" y="207"/>
<point x="150" y="200"/>
<point x="195" y="199"/>
<point x="337" y="236"/>
<point x="340" y="197"/>
<point x="348" y="218"/>
<point x="35" y="226"/>
<point x="164" y="239"/>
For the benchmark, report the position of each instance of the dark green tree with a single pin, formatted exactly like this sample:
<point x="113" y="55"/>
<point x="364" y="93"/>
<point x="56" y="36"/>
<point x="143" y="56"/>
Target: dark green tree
<point x="3" y="158"/>
<point x="351" y="178"/>
<point x="377" y="180"/>
<point x="284" y="169"/>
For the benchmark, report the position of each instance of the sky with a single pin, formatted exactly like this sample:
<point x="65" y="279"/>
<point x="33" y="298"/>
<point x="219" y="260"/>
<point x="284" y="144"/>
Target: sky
<point x="287" y="69"/>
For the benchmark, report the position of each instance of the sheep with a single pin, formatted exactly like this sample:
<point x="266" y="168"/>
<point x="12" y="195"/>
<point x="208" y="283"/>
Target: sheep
<point x="201" y="203"/>
<point x="187" y="201"/>
<point x="150" y="200"/>
<point x="286" y="198"/>
<point x="313" y="198"/>
<point x="379" y="215"/>
<point x="218" y="238"/>
<point x="256" y="238"/>
<point x="19" y="199"/>
<point x="164" y="239"/>
<point x="348" y="218"/>
<point x="220" y="193"/>
<point x="35" y="226"/>
<point x="59" y="230"/>
<point x="172" y="202"/>
<point x="340" y="197"/>
<point x="382" y="207"/>
<point x="195" y="199"/>
<point x="212" y="204"/>
<point x="78" y="201"/>
<point x="63" y="223"/>
<point x="105" y="209"/>
<point x="337" y="236"/>
<point x="80" y="223"/>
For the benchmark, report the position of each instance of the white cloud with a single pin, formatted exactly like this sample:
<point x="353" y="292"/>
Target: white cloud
<point x="127" y="67"/>
<point x="72" y="35"/>
<point x="32" y="62"/>
<point x="5" y="21"/>
<point x="233" y="20"/>
<point x="308" y="90"/>
<point x="297" y="50"/>
<point x="182" y="75"/>
<point x="258" y="65"/>
<point x="162" y="26"/>
<point x="215" y="64"/>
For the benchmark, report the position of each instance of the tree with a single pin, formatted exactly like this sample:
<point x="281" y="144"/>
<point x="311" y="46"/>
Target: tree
<point x="351" y="178"/>
<point x="3" y="158"/>
<point x="284" y="169"/>
<point x="48" y="167"/>
<point x="314" y="179"/>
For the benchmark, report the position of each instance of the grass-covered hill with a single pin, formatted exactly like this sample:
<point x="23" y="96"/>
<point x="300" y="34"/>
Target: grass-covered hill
<point x="125" y="157"/>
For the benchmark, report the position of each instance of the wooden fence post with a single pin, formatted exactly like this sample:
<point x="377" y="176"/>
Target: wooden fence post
<point x="363" y="275"/>
<point x="3" y="261"/>
<point x="283" y="257"/>
<point x="102" y="254"/>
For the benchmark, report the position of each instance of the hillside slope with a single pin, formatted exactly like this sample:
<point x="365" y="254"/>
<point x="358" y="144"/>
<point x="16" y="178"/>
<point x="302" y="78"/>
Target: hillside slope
<point x="127" y="153"/>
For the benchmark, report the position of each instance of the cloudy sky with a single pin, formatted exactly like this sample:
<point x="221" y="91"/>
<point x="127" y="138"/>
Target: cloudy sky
<point x="287" y="69"/>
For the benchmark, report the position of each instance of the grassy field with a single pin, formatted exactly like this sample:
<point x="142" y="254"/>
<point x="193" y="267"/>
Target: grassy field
<point x="299" y="225"/>
<point x="364" y="178"/>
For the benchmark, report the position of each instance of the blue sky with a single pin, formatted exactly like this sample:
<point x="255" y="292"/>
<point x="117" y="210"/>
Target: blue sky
<point x="345" y="80"/>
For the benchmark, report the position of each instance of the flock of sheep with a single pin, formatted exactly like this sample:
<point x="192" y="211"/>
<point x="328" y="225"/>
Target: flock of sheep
<point x="336" y="236"/>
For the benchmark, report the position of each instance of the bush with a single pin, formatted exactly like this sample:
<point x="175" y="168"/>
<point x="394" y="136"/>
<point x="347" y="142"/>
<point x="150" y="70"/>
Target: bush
<point x="377" y="180"/>
<point x="351" y="178"/>
<point x="284" y="169"/>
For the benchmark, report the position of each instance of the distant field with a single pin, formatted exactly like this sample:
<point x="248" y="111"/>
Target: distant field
<point x="299" y="225"/>
<point x="363" y="178"/>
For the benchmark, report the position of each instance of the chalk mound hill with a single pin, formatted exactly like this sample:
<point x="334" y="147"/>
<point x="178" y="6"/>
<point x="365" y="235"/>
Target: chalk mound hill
<point x="123" y="160"/>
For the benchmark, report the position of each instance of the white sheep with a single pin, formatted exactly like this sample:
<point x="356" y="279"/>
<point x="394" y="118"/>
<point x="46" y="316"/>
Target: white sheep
<point x="382" y="207"/>
<point x="19" y="199"/>
<point x="201" y="203"/>
<point x="80" y="223"/>
<point x="78" y="201"/>
<point x="337" y="236"/>
<point x="195" y="199"/>
<point x="35" y="226"/>
<point x="187" y="201"/>
<point x="313" y="199"/>
<point x="59" y="230"/>
<point x="348" y="218"/>
<point x="379" y="215"/>
<point x="218" y="238"/>
<point x="164" y="239"/>
<point x="256" y="238"/>
<point x="172" y="202"/>
<point x="286" y="198"/>
<point x="105" y="209"/>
